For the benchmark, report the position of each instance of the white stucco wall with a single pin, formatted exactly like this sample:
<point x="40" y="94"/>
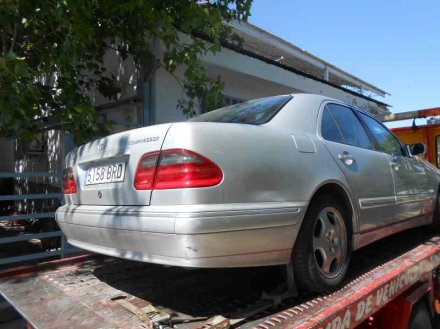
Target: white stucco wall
<point x="242" y="64"/>
<point x="246" y="86"/>
<point x="126" y="75"/>
<point x="237" y="85"/>
<point x="166" y="93"/>
<point x="245" y="78"/>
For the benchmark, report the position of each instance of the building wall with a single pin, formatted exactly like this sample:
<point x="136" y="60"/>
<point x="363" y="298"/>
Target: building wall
<point x="126" y="74"/>
<point x="166" y="92"/>
<point x="124" y="116"/>
<point x="242" y="64"/>
<point x="245" y="78"/>
<point x="237" y="85"/>
<point x="245" y="86"/>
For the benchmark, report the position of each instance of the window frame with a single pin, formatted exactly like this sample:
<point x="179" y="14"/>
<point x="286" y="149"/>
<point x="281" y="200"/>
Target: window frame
<point x="377" y="147"/>
<point x="335" y="123"/>
<point x="367" y="132"/>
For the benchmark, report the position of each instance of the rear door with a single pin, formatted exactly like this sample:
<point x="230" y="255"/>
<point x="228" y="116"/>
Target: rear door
<point x="409" y="176"/>
<point x="104" y="169"/>
<point x="367" y="170"/>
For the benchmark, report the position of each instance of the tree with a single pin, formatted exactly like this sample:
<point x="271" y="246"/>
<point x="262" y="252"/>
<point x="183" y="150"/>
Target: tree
<point x="52" y="55"/>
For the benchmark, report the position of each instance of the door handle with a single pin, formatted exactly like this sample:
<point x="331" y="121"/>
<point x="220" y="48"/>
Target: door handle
<point x="346" y="157"/>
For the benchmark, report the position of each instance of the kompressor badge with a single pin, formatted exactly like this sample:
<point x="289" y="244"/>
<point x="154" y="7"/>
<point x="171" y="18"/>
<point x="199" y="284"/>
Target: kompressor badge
<point x="143" y="140"/>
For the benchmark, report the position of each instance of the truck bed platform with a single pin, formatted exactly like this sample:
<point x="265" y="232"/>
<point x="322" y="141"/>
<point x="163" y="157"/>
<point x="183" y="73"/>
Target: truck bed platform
<point x="84" y="292"/>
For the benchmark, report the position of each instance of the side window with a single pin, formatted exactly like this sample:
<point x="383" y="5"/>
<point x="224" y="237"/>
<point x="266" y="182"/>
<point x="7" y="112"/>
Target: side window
<point x="385" y="140"/>
<point x="352" y="131"/>
<point x="329" y="129"/>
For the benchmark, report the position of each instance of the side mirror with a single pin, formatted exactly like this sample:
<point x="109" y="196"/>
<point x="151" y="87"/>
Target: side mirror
<point x="416" y="149"/>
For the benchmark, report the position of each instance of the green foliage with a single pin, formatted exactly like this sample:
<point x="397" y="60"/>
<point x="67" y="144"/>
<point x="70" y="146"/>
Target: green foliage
<point x="51" y="55"/>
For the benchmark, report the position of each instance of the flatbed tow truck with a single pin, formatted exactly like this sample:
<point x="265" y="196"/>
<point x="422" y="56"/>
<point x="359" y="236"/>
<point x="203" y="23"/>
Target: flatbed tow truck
<point x="392" y="284"/>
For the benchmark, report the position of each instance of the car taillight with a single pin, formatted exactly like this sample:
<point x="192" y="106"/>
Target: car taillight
<point x="177" y="168"/>
<point x="146" y="169"/>
<point x="69" y="181"/>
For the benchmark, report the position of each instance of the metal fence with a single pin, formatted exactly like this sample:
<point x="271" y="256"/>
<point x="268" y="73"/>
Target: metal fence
<point x="31" y="202"/>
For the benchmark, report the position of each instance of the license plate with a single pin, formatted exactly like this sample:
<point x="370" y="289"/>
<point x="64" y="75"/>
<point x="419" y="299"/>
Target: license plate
<point x="110" y="173"/>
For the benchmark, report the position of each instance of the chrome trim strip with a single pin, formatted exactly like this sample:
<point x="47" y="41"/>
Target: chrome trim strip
<point x="249" y="212"/>
<point x="413" y="198"/>
<point x="390" y="201"/>
<point x="180" y="211"/>
<point x="377" y="202"/>
<point x="184" y="219"/>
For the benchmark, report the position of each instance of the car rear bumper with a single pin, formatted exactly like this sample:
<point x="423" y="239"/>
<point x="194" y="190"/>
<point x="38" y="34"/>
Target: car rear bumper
<point x="194" y="236"/>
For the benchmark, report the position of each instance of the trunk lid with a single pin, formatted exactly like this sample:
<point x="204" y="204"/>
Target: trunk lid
<point x="104" y="169"/>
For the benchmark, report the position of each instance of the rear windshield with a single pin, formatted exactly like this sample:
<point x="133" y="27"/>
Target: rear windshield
<point x="254" y="112"/>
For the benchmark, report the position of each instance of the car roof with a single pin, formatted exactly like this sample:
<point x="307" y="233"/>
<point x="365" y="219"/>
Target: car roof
<point x="317" y="97"/>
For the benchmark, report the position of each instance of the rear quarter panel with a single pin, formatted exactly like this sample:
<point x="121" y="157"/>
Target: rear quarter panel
<point x="259" y="163"/>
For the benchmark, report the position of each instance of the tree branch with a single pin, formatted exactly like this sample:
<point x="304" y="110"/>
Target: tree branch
<point x="14" y="38"/>
<point x="4" y="46"/>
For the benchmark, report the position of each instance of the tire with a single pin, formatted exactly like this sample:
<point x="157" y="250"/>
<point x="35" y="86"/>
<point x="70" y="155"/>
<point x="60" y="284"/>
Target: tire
<point x="420" y="317"/>
<point x="321" y="254"/>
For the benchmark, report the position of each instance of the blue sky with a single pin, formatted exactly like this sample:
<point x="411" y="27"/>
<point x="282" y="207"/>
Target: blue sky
<point x="395" y="45"/>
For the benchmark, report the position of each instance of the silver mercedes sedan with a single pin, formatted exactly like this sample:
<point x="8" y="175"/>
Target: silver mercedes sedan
<point x="294" y="178"/>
